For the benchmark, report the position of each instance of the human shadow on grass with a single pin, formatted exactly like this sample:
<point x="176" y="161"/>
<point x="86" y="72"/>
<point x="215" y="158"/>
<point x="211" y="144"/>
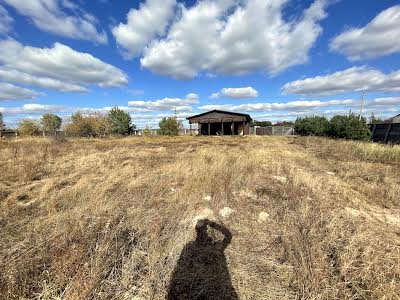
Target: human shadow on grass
<point x="201" y="272"/>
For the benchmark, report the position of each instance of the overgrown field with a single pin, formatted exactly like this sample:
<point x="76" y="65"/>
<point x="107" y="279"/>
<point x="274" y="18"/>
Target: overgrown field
<point x="309" y="218"/>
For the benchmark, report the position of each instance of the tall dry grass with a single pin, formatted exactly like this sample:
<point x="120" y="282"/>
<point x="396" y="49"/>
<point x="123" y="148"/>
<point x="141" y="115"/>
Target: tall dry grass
<point x="108" y="219"/>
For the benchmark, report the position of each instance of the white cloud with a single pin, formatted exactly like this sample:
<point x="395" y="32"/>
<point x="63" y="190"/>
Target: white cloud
<point x="32" y="109"/>
<point x="178" y="104"/>
<point x="60" y="17"/>
<point x="385" y="101"/>
<point x="236" y="93"/>
<point x="292" y="105"/>
<point x="43" y="82"/>
<point x="143" y="25"/>
<point x="354" y="79"/>
<point x="5" y="21"/>
<point x="378" y="38"/>
<point x="12" y="92"/>
<point x="215" y="95"/>
<point x="60" y="68"/>
<point x="234" y="37"/>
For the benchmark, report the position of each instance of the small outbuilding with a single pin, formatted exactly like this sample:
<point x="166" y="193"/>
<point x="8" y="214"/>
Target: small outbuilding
<point x="219" y="122"/>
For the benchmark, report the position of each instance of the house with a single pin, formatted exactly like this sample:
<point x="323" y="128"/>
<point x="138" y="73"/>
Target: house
<point x="396" y="119"/>
<point x="219" y="122"/>
<point x="387" y="132"/>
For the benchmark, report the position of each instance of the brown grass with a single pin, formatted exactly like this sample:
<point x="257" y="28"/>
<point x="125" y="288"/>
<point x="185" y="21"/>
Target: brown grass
<point x="97" y="219"/>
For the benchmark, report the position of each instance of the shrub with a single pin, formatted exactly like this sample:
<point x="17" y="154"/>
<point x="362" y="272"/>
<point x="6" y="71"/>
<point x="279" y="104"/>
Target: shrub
<point x="88" y="125"/>
<point x="51" y="123"/>
<point x="120" y="121"/>
<point x="349" y="127"/>
<point x="147" y="131"/>
<point x="318" y="126"/>
<point x="28" y="127"/>
<point x="170" y="126"/>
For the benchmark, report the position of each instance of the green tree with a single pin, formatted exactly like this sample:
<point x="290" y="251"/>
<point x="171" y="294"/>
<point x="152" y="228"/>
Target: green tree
<point x="349" y="127"/>
<point x="51" y="123"/>
<point x="318" y="126"/>
<point x="284" y="123"/>
<point x="2" y="124"/>
<point x="170" y="126"/>
<point x="28" y="127"/>
<point x="261" y="123"/>
<point x="120" y="121"/>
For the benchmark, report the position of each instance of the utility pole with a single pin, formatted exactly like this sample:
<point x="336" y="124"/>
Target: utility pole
<point x="362" y="105"/>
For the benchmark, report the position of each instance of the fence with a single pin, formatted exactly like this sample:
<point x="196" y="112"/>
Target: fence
<point x="272" y="130"/>
<point x="386" y="133"/>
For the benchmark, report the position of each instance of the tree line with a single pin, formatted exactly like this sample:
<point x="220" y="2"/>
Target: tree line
<point x="96" y="124"/>
<point x="347" y="127"/>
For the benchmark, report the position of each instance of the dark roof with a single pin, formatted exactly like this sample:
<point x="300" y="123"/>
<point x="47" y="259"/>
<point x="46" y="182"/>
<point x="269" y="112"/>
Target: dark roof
<point x="222" y="112"/>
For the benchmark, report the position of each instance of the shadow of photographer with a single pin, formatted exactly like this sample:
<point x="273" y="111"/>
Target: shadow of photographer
<point x="201" y="271"/>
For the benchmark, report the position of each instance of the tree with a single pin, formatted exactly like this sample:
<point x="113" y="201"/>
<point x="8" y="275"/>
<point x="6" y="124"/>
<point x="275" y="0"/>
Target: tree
<point x="28" y="127"/>
<point x="261" y="123"/>
<point x="51" y="123"/>
<point x="284" y="123"/>
<point x="2" y="124"/>
<point x="349" y="127"/>
<point x="170" y="126"/>
<point x="120" y="121"/>
<point x="318" y="126"/>
<point x="80" y="125"/>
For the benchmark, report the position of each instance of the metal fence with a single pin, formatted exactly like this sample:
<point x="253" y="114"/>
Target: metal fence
<point x="272" y="130"/>
<point x="386" y="133"/>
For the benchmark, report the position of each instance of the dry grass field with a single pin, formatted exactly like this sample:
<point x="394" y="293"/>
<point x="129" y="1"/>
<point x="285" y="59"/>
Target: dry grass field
<point x="303" y="218"/>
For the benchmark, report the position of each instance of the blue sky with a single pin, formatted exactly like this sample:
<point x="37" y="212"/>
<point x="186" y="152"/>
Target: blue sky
<point x="273" y="59"/>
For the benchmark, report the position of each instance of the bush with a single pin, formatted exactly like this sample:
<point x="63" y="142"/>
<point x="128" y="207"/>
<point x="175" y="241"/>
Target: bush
<point x="169" y="126"/>
<point x="349" y="127"/>
<point x="120" y="121"/>
<point x="28" y="127"/>
<point x="51" y="123"/>
<point x="147" y="131"/>
<point x="89" y="125"/>
<point x="318" y="126"/>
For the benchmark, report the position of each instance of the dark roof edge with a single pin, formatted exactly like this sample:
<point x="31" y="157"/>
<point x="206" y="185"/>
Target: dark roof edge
<point x="220" y="111"/>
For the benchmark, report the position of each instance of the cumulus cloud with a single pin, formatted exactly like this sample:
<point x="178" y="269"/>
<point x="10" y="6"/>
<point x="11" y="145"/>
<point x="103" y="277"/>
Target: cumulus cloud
<point x="60" y="17"/>
<point x="234" y="37"/>
<point x="5" y="21"/>
<point x="178" y="104"/>
<point x="143" y="25"/>
<point x="292" y="105"/>
<point x="354" y="79"/>
<point x="12" y="92"/>
<point x="60" y="68"/>
<point x="236" y="93"/>
<point x="378" y="38"/>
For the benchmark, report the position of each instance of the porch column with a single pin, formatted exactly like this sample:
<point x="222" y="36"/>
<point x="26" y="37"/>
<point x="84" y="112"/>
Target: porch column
<point x="222" y="127"/>
<point x="209" y="127"/>
<point x="232" y="128"/>
<point x="190" y="128"/>
<point x="244" y="126"/>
